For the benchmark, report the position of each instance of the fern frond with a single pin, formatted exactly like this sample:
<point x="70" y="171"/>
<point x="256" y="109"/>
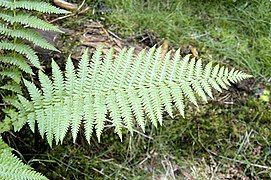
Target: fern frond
<point x="18" y="61"/>
<point x="30" y="5"/>
<point x="88" y="117"/>
<point x="83" y="69"/>
<point x="126" y="113"/>
<point x="37" y="100"/>
<point x="100" y="112"/>
<point x="47" y="88"/>
<point x="28" y="34"/>
<point x="28" y="111"/>
<point x="136" y="107"/>
<point x="196" y="82"/>
<point x="77" y="114"/>
<point x="14" y="87"/>
<point x="12" y="119"/>
<point x="58" y="81"/>
<point x="15" y="114"/>
<point x="22" y="49"/>
<point x="204" y="82"/>
<point x="28" y="20"/>
<point x="17" y="27"/>
<point x="58" y="84"/>
<point x="114" y="112"/>
<point x="13" y="168"/>
<point x="13" y="101"/>
<point x="12" y="73"/>
<point x="125" y="88"/>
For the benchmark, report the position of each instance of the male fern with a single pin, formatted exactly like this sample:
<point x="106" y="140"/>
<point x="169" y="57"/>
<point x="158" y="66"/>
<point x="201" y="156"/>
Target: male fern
<point x="12" y="168"/>
<point x="18" y="35"/>
<point x="18" y="31"/>
<point x="125" y="86"/>
<point x="18" y="27"/>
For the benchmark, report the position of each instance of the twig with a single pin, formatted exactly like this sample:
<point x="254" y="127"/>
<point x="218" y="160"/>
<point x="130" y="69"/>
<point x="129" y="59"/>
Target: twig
<point x="114" y="35"/>
<point x="70" y="15"/>
<point x="138" y="132"/>
<point x="101" y="172"/>
<point x="247" y="163"/>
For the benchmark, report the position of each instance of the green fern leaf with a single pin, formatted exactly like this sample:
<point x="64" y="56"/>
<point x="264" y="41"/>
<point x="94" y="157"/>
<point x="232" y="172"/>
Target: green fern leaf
<point x="13" y="168"/>
<point x="165" y="69"/>
<point x="28" y="20"/>
<point x="196" y="82"/>
<point x="30" y="5"/>
<point x="14" y="87"/>
<point x="12" y="73"/>
<point x="125" y="88"/>
<point x="65" y="117"/>
<point x="114" y="112"/>
<point x="22" y="49"/>
<point x="136" y="107"/>
<point x="18" y="61"/>
<point x="100" y="112"/>
<point x="83" y="69"/>
<point x="177" y="95"/>
<point x="145" y="100"/>
<point x="28" y="111"/>
<point x="88" y="117"/>
<point x="47" y="88"/>
<point x="175" y="65"/>
<point x="28" y="34"/>
<point x="204" y="82"/>
<point x="77" y="114"/>
<point x="58" y="84"/>
<point x="37" y="99"/>
<point x="71" y="78"/>
<point x="166" y="99"/>
<point x="16" y="28"/>
<point x="126" y="113"/>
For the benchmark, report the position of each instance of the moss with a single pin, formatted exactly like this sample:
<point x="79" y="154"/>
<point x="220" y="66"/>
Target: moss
<point x="225" y="133"/>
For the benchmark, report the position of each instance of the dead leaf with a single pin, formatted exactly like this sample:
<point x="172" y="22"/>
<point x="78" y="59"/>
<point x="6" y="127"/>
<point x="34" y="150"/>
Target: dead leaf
<point x="194" y="51"/>
<point x="65" y="5"/>
<point x="165" y="47"/>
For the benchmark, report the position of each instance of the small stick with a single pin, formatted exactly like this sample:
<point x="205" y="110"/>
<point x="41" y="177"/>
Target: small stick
<point x="70" y="15"/>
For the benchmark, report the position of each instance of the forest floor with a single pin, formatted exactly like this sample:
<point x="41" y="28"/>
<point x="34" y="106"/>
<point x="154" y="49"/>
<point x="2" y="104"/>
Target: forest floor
<point x="228" y="138"/>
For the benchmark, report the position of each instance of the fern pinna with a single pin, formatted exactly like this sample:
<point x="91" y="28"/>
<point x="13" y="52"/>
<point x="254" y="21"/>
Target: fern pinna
<point x="17" y="27"/>
<point x="12" y="168"/>
<point x="127" y="86"/>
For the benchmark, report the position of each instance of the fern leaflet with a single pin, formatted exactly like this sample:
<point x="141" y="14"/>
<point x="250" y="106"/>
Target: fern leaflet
<point x="13" y="168"/>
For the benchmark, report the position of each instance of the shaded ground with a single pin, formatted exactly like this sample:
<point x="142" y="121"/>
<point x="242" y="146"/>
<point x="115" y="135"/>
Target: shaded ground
<point x="229" y="138"/>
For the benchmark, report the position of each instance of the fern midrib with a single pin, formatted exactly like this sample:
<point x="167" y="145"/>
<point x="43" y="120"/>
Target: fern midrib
<point x="127" y="89"/>
<point x="158" y="85"/>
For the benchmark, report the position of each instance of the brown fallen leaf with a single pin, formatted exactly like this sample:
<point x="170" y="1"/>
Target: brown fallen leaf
<point x="165" y="47"/>
<point x="65" y="5"/>
<point x="194" y="51"/>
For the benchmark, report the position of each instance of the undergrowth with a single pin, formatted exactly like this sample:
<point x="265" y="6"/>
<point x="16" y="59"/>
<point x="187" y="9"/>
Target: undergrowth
<point x="235" y="32"/>
<point x="217" y="141"/>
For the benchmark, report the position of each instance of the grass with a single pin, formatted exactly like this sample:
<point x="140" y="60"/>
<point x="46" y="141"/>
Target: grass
<point x="235" y="32"/>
